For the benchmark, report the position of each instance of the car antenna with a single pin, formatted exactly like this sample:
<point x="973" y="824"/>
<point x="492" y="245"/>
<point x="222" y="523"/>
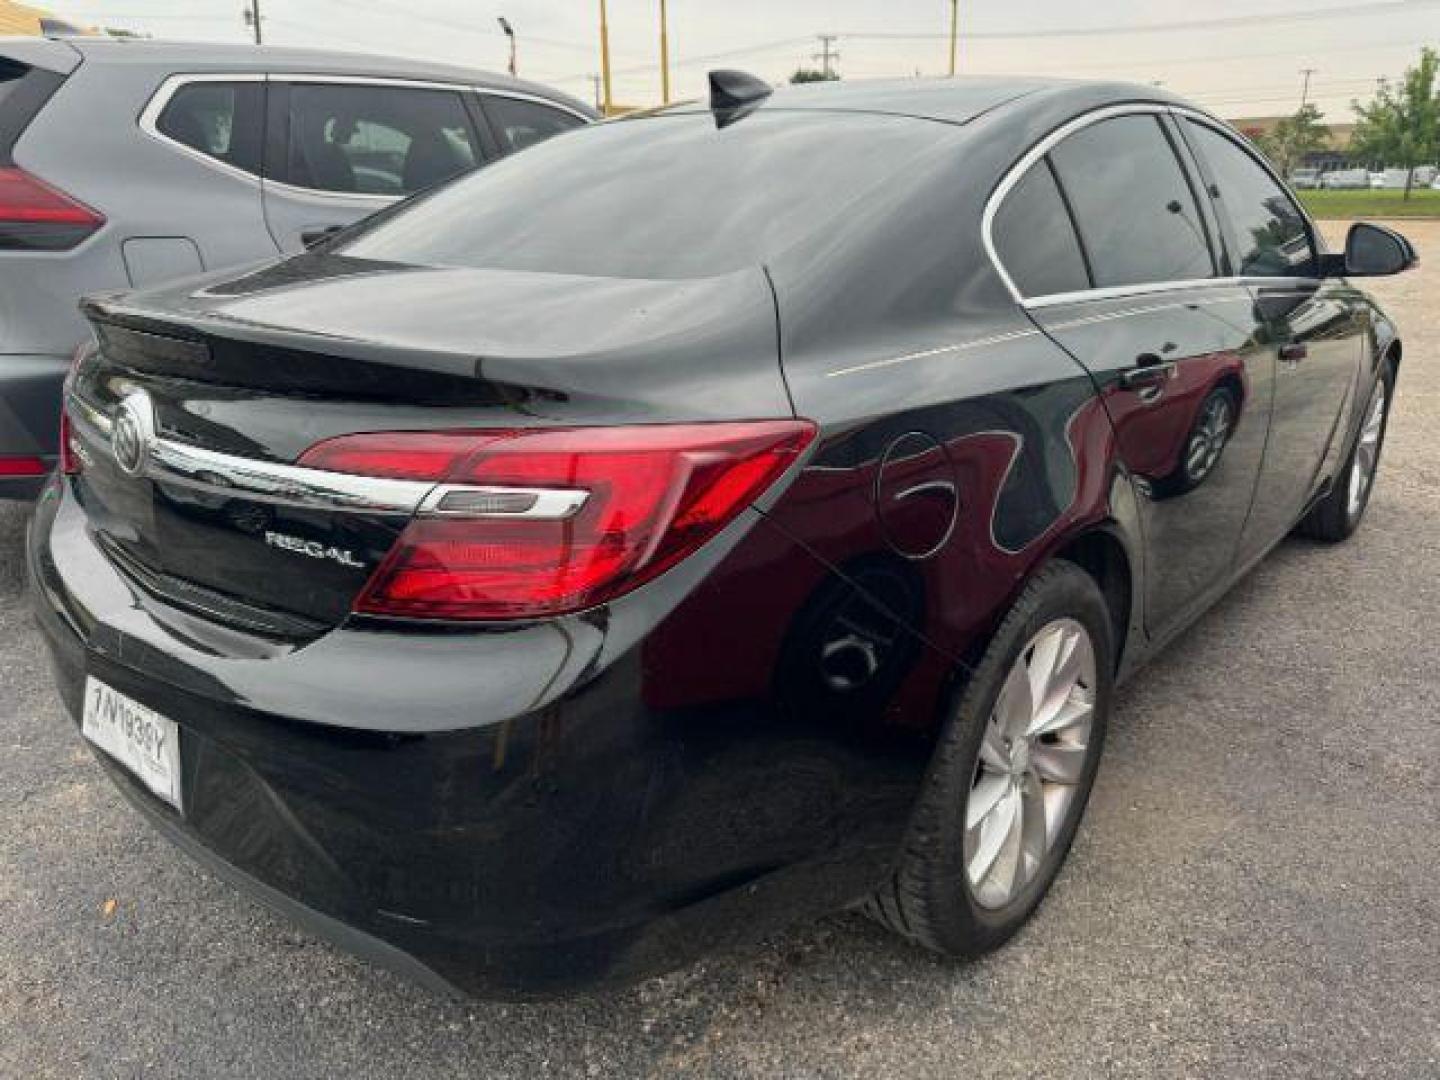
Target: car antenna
<point x="734" y="95"/>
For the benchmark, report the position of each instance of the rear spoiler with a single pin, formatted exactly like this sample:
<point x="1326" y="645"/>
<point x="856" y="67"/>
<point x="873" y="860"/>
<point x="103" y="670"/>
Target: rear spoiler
<point x="48" y="54"/>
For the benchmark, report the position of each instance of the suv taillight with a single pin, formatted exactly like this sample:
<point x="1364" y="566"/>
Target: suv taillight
<point x="543" y="522"/>
<point x="37" y="217"/>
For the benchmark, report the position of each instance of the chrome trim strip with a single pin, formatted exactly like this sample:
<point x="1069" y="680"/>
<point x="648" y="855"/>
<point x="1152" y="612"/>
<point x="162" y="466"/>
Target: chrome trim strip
<point x="940" y="350"/>
<point x="228" y="475"/>
<point x="289" y="485"/>
<point x="518" y="95"/>
<point x="544" y="504"/>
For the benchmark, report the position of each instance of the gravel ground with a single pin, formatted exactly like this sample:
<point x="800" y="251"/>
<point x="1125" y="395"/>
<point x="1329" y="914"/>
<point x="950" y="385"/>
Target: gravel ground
<point x="1253" y="893"/>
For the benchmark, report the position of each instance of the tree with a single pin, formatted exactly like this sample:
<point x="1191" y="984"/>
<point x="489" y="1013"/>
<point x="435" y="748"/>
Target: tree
<point x="1402" y="127"/>
<point x="1287" y="143"/>
<point x="804" y="75"/>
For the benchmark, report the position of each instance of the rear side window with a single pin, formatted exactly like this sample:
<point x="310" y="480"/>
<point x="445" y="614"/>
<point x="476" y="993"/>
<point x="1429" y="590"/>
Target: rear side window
<point x="1133" y="205"/>
<point x="24" y="90"/>
<point x="1267" y="232"/>
<point x="1035" y="239"/>
<point x="218" y="119"/>
<point x="376" y="140"/>
<point x="519" y="123"/>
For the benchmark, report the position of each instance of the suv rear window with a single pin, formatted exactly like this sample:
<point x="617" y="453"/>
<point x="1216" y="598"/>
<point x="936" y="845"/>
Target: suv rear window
<point x="660" y="197"/>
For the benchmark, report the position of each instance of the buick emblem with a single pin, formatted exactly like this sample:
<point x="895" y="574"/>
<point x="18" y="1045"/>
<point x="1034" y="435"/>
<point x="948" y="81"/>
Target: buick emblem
<point x="132" y="433"/>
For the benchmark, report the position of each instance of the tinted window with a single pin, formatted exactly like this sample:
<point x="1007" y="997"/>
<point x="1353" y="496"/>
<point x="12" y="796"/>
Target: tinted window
<point x="1267" y="233"/>
<point x="524" y="123"/>
<point x="219" y="119"/>
<point x="661" y="197"/>
<point x="11" y="72"/>
<point x="1133" y="205"/>
<point x="376" y="140"/>
<point x="1035" y="239"/>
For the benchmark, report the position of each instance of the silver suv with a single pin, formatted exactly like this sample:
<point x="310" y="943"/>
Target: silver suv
<point x="125" y="163"/>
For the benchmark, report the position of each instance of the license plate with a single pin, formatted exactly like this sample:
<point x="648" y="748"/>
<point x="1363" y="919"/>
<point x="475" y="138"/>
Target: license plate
<point x="138" y="737"/>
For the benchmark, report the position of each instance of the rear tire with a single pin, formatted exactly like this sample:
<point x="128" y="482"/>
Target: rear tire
<point x="944" y="894"/>
<point x="1338" y="515"/>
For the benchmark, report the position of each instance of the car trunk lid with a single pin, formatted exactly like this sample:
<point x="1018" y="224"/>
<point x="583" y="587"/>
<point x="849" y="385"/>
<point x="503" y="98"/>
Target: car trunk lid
<point x="230" y="381"/>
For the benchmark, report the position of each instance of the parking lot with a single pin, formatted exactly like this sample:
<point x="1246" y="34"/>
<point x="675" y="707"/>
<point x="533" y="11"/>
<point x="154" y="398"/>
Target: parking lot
<point x="1253" y="892"/>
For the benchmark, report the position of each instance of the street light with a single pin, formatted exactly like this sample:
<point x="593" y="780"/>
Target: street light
<point x="509" y="33"/>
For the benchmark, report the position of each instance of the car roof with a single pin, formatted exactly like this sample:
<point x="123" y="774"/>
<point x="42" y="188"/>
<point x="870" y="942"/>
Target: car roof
<point x="187" y="56"/>
<point x="956" y="100"/>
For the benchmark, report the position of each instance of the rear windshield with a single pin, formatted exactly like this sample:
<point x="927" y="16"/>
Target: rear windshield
<point x="660" y="197"/>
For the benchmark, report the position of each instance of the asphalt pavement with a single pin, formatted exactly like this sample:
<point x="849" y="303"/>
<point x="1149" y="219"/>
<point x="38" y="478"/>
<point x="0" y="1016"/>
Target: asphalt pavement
<point x="1253" y="893"/>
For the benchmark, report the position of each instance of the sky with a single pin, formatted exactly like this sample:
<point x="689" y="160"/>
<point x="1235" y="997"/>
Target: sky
<point x="1240" y="58"/>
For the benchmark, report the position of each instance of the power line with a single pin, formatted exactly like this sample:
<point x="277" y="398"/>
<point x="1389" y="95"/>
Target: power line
<point x="1383" y="7"/>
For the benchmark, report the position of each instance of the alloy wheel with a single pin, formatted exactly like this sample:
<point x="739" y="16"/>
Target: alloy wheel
<point x="1367" y="452"/>
<point x="1032" y="757"/>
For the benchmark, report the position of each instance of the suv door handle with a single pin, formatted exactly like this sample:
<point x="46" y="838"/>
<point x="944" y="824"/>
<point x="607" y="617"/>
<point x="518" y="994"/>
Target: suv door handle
<point x="1293" y="352"/>
<point x="312" y="236"/>
<point x="1149" y="370"/>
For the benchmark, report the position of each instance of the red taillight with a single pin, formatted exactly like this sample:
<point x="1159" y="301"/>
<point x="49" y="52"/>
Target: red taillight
<point x="13" y="465"/>
<point x="35" y="216"/>
<point x="530" y="523"/>
<point x="69" y="459"/>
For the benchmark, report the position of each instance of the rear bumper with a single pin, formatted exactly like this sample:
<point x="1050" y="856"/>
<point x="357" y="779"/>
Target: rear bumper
<point x="29" y="415"/>
<point x="514" y="813"/>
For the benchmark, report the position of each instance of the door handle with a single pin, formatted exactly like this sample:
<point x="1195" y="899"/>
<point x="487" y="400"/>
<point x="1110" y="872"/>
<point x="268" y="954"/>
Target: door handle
<point x="1149" y="370"/>
<point x="311" y="237"/>
<point x="1293" y="352"/>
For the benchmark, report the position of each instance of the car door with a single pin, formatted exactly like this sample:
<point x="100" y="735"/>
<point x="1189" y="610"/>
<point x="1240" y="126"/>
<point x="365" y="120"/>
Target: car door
<point x="1171" y="344"/>
<point x="339" y="149"/>
<point x="1312" y="327"/>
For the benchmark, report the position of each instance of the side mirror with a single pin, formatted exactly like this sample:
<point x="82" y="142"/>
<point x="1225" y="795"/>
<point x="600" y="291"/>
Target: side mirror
<point x="1375" y="251"/>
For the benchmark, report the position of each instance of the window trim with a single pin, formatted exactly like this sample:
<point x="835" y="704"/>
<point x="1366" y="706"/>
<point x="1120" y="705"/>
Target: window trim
<point x="171" y="85"/>
<point x="1042" y="148"/>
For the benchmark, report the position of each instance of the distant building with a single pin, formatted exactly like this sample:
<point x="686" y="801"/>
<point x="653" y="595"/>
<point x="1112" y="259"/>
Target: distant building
<point x="31" y="22"/>
<point x="1335" y="154"/>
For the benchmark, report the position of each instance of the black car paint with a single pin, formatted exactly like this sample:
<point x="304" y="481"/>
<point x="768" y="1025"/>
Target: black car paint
<point x="535" y="807"/>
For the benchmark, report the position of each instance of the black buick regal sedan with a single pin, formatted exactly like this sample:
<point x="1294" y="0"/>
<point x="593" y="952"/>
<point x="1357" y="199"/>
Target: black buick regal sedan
<point x="700" y="521"/>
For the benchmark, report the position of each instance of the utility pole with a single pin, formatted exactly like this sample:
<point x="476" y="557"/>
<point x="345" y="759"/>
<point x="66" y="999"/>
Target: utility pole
<point x="664" y="56"/>
<point x="596" y="80"/>
<point x="509" y="33"/>
<point x="605" y="60"/>
<point x="954" y="33"/>
<point x="252" y="19"/>
<point x="1305" y="86"/>
<point x="827" y="56"/>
